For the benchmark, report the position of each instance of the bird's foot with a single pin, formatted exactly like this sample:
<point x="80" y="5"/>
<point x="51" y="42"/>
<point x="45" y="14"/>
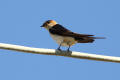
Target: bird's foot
<point x="68" y="50"/>
<point x="59" y="49"/>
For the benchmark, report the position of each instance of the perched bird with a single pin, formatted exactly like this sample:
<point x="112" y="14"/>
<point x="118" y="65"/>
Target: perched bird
<point x="65" y="37"/>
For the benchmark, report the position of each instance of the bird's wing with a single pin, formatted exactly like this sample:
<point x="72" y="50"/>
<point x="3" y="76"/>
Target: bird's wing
<point x="60" y="30"/>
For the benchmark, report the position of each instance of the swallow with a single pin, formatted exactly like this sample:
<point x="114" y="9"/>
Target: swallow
<point x="65" y="37"/>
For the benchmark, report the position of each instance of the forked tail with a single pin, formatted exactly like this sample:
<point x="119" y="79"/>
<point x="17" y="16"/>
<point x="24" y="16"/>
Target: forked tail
<point x="99" y="38"/>
<point x="88" y="39"/>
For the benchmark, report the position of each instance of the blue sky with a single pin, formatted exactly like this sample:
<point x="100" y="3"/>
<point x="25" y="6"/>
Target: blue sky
<point x="19" y="24"/>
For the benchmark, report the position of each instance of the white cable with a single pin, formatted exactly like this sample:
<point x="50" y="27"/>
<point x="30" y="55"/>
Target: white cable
<point x="73" y="54"/>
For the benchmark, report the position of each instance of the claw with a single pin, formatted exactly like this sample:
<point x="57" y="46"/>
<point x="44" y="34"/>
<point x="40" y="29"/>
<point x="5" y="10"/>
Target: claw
<point x="68" y="49"/>
<point x="59" y="49"/>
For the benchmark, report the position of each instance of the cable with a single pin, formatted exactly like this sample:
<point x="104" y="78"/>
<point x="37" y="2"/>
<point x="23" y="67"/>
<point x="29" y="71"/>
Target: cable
<point x="72" y="54"/>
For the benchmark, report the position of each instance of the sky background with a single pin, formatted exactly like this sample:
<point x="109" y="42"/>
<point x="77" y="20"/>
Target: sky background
<point x="20" y="22"/>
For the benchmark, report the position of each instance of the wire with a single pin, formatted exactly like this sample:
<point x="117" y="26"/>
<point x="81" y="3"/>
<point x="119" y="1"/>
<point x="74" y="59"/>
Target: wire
<point x="72" y="54"/>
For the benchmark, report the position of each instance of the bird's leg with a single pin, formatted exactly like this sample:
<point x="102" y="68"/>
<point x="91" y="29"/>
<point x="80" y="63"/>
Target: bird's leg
<point x="59" y="47"/>
<point x="68" y="48"/>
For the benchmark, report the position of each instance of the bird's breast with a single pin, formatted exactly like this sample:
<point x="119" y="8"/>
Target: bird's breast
<point x="63" y="40"/>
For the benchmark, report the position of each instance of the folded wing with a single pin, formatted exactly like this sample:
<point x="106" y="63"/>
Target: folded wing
<point x="81" y="38"/>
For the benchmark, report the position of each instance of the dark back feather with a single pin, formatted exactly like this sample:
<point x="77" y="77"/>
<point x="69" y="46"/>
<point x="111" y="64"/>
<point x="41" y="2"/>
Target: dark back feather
<point x="81" y="38"/>
<point x="60" y="30"/>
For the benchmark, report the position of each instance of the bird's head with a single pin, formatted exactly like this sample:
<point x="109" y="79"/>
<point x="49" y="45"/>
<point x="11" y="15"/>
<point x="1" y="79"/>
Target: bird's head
<point x="49" y="24"/>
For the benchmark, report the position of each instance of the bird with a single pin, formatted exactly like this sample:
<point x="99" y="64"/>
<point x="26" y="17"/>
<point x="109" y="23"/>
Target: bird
<point x="65" y="37"/>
